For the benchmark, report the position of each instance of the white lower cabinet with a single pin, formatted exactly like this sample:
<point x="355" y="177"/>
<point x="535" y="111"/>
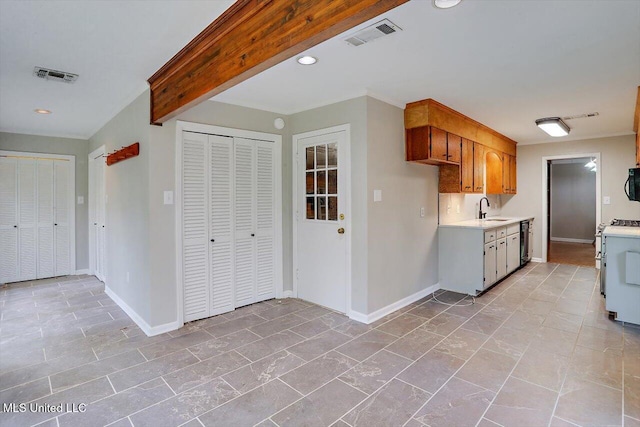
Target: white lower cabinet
<point x="228" y="223"/>
<point x="471" y="259"/>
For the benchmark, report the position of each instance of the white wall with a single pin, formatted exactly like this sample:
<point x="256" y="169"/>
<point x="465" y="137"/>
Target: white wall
<point x="402" y="246"/>
<point x="573" y="201"/>
<point x="74" y="147"/>
<point x="127" y="208"/>
<point x="617" y="156"/>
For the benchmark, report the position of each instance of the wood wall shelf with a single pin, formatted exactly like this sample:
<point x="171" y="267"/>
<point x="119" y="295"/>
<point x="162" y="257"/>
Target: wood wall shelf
<point x="124" y="153"/>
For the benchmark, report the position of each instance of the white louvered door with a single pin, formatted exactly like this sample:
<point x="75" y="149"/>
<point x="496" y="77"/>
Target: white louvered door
<point x="245" y="241"/>
<point x="195" y="242"/>
<point x="221" y="224"/>
<point x="27" y="225"/>
<point x="265" y="220"/>
<point x="61" y="218"/>
<point x="100" y="220"/>
<point x="46" y="254"/>
<point x="228" y="224"/>
<point x="8" y="220"/>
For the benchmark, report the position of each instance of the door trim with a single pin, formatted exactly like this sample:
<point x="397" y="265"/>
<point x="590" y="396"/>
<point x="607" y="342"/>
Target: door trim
<point x="346" y="128"/>
<point x="72" y="200"/>
<point x="234" y="133"/>
<point x="100" y="151"/>
<point x="545" y="205"/>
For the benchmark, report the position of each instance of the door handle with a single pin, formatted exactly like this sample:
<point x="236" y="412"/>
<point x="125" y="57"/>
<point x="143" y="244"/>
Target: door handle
<point x="340" y="230"/>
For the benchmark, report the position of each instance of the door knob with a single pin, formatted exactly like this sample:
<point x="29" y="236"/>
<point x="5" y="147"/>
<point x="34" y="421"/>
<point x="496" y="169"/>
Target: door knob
<point x="340" y="230"/>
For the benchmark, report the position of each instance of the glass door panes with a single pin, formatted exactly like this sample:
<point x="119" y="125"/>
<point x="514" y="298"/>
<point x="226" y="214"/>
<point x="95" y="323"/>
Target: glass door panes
<point x="321" y="182"/>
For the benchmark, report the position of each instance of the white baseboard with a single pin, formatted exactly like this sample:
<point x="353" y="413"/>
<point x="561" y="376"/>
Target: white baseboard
<point x="378" y="314"/>
<point x="83" y="271"/>
<point x="287" y="294"/>
<point x="146" y="328"/>
<point x="569" y="240"/>
<point x="534" y="259"/>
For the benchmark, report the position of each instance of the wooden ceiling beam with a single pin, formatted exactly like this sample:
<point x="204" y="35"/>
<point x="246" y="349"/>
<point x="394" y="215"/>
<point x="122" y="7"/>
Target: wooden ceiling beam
<point x="248" y="38"/>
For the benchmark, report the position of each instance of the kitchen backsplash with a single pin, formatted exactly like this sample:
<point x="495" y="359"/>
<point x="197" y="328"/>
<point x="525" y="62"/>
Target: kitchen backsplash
<point x="461" y="207"/>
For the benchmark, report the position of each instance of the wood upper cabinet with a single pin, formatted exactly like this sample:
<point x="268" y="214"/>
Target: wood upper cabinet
<point x="514" y="175"/>
<point x="478" y="168"/>
<point x="427" y="144"/>
<point x="494" y="172"/>
<point x="467" y="167"/>
<point x="509" y="174"/>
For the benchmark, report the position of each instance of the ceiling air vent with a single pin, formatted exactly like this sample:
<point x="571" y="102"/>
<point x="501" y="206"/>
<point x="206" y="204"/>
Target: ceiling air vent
<point x="58" y="76"/>
<point x="375" y="31"/>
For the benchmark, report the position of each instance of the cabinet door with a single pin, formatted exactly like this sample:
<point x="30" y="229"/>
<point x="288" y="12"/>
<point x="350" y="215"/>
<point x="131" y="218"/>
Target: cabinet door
<point x="62" y="217"/>
<point x="506" y="174"/>
<point x="27" y="219"/>
<point x="244" y="161"/>
<point x="513" y="252"/>
<point x="8" y="220"/>
<point x="438" y="144"/>
<point x="466" y="166"/>
<point x="220" y="224"/>
<point x="513" y="180"/>
<point x="501" y="259"/>
<point x="478" y="168"/>
<point x="195" y="263"/>
<point x="489" y="264"/>
<point x="453" y="148"/>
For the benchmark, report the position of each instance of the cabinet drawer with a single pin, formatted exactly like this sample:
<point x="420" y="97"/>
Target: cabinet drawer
<point x="502" y="232"/>
<point x="490" y="235"/>
<point x="513" y="229"/>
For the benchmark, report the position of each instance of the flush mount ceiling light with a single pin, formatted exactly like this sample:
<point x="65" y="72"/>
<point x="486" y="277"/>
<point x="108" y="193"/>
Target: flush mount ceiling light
<point x="554" y="126"/>
<point x="445" y="4"/>
<point x="307" y="60"/>
<point x="42" y="111"/>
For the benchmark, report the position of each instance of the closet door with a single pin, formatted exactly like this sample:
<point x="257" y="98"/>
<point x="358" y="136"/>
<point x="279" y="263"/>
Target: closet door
<point x="265" y="220"/>
<point x="221" y="223"/>
<point x="61" y="218"/>
<point x="245" y="231"/>
<point x="27" y="230"/>
<point x="46" y="257"/>
<point x="195" y="234"/>
<point x="8" y="220"/>
<point x="99" y="216"/>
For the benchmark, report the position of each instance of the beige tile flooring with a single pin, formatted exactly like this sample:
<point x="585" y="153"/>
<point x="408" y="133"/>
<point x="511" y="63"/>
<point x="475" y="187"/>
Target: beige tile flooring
<point x="537" y="350"/>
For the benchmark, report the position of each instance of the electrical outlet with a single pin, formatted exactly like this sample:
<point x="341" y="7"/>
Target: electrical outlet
<point x="606" y="200"/>
<point x="448" y="209"/>
<point x="422" y="212"/>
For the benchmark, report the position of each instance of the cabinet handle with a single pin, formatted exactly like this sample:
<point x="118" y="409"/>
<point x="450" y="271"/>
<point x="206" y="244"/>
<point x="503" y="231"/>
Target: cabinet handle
<point x="213" y="240"/>
<point x="15" y="226"/>
<point x="253" y="235"/>
<point x="55" y="224"/>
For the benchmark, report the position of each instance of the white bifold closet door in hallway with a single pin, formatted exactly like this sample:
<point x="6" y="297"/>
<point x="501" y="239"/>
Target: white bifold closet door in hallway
<point x="36" y="217"/>
<point x="228" y="223"/>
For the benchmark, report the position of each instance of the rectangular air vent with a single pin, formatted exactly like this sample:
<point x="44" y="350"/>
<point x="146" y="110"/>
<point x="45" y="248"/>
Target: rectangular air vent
<point x="373" y="32"/>
<point x="59" y="76"/>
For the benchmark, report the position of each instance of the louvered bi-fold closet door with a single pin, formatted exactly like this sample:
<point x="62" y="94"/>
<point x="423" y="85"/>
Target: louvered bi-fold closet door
<point x="8" y="220"/>
<point x="265" y="220"/>
<point x="245" y="230"/>
<point x="45" y="216"/>
<point x="221" y="224"/>
<point x="27" y="224"/>
<point x="62" y="217"/>
<point x="195" y="241"/>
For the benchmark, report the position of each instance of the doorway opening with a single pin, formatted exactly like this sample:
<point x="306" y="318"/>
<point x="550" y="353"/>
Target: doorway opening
<point x="571" y="209"/>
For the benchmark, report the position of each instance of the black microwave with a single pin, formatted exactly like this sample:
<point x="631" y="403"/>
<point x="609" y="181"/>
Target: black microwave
<point x="632" y="186"/>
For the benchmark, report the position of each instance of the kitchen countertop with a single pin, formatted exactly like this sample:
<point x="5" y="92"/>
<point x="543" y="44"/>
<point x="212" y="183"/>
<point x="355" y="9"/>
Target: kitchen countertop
<point x="616" y="231"/>
<point x="486" y="224"/>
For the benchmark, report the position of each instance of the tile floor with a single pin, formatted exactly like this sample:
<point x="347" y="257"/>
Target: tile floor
<point x="537" y="350"/>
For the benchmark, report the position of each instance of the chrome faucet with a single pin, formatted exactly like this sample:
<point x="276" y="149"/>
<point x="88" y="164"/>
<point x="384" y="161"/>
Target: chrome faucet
<point x="483" y="215"/>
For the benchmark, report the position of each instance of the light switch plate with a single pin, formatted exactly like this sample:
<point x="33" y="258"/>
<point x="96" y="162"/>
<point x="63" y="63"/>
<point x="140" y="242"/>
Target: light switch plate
<point x="377" y="195"/>
<point x="606" y="200"/>
<point x="80" y="200"/>
<point x="168" y="197"/>
<point x="422" y="212"/>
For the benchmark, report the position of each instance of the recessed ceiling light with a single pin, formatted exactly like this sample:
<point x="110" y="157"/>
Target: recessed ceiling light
<point x="42" y="111"/>
<point x="445" y="4"/>
<point x="554" y="126"/>
<point x="307" y="60"/>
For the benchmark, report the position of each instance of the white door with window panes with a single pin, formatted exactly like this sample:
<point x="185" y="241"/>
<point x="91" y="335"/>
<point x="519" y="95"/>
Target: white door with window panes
<point x="321" y="213"/>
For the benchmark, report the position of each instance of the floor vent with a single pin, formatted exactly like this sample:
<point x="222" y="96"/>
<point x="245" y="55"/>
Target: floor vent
<point x="373" y="32"/>
<point x="58" y="76"/>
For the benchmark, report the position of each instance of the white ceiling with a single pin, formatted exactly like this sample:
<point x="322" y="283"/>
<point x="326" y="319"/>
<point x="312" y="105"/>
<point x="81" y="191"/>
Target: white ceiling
<point x="115" y="46"/>
<point x="503" y="63"/>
